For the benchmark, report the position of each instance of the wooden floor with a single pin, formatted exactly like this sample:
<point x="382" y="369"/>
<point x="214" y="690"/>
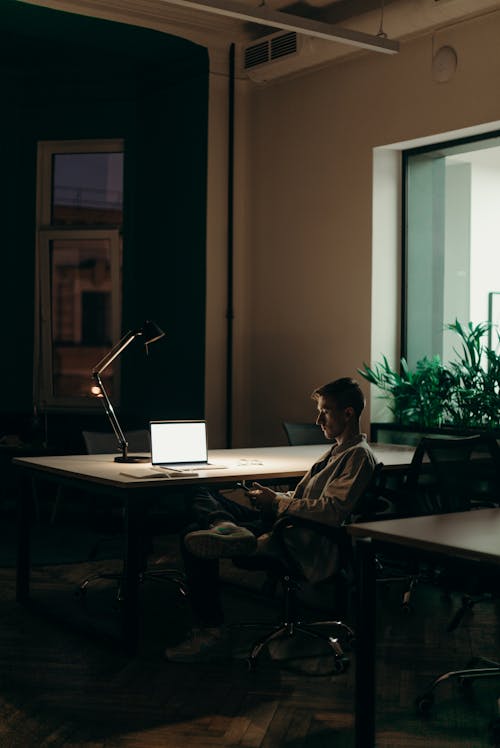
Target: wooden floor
<point x="61" y="688"/>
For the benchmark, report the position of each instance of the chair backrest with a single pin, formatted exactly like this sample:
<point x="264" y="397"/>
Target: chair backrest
<point x="485" y="471"/>
<point x="304" y="433"/>
<point x="105" y="442"/>
<point x="450" y="474"/>
<point x="372" y="502"/>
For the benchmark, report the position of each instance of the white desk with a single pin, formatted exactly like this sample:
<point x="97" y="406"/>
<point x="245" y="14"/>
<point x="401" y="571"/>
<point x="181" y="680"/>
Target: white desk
<point x="471" y="536"/>
<point x="101" y="475"/>
<point x="235" y="465"/>
<point x="265" y="463"/>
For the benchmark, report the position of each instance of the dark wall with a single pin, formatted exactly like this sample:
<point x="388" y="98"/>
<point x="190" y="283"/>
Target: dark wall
<point x="170" y="262"/>
<point x="64" y="76"/>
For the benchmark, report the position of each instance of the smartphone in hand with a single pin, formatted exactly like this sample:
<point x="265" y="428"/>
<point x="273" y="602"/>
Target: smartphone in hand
<point x="244" y="485"/>
<point x="249" y="491"/>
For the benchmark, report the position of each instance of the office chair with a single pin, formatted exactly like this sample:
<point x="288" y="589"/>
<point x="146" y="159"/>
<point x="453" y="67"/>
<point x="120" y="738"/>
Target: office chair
<point x="285" y="571"/>
<point x="464" y="475"/>
<point x="453" y="474"/>
<point x="447" y="474"/>
<point x="105" y="443"/>
<point x="304" y="433"/>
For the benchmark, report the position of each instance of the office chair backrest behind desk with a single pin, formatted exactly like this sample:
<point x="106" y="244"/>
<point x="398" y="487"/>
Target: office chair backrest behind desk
<point x="304" y="433"/>
<point x="448" y="474"/>
<point x="453" y="474"/>
<point x="105" y="442"/>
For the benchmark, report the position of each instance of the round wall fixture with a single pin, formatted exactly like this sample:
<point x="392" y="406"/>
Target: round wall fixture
<point x="444" y="64"/>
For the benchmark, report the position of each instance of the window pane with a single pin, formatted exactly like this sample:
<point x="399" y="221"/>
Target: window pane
<point x="82" y="324"/>
<point x="87" y="189"/>
<point x="425" y="259"/>
<point x="453" y="232"/>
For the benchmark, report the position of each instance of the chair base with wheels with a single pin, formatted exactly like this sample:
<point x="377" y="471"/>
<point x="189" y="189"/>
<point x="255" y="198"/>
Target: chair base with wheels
<point x="283" y="568"/>
<point x="336" y="635"/>
<point x="105" y="443"/>
<point x="291" y="625"/>
<point x="172" y="576"/>
<point x="146" y="573"/>
<point x="478" y="667"/>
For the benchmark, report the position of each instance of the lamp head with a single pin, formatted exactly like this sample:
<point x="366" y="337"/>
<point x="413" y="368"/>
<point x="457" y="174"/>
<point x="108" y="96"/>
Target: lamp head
<point x="150" y="332"/>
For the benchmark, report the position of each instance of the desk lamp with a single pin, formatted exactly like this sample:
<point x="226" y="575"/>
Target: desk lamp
<point x="150" y="332"/>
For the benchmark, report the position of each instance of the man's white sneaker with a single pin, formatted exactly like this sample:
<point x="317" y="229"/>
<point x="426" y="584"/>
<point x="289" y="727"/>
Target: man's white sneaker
<point x="223" y="540"/>
<point x="203" y="645"/>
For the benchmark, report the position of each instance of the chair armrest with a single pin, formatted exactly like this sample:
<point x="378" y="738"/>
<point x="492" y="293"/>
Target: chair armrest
<point x="382" y="506"/>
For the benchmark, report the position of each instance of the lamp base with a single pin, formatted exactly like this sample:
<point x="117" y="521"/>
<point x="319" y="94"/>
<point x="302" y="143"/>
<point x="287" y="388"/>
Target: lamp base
<point x="132" y="459"/>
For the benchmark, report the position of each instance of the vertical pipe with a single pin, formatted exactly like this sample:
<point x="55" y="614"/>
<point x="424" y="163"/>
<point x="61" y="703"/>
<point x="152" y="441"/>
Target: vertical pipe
<point x="230" y="253"/>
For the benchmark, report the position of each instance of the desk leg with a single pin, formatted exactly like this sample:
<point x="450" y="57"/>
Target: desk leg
<point x="365" y="646"/>
<point x="133" y="520"/>
<point x="23" y="540"/>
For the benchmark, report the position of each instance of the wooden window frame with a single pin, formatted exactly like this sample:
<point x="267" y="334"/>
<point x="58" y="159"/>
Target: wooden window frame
<point x="43" y="385"/>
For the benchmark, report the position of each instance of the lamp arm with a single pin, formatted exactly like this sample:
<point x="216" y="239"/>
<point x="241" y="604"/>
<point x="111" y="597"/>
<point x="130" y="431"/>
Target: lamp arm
<point x="110" y="411"/>
<point x="115" y="351"/>
<point x="150" y="332"/>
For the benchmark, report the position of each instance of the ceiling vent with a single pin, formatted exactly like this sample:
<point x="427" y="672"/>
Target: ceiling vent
<point x="273" y="47"/>
<point x="281" y="53"/>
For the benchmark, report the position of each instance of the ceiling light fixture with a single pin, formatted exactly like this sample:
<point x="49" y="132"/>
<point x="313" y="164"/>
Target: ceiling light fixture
<point x="266" y="16"/>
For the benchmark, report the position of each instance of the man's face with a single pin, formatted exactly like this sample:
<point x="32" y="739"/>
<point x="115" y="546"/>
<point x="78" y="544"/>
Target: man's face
<point x="332" y="419"/>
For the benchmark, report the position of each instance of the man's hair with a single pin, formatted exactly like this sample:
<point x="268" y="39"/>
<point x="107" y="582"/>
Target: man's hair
<point x="345" y="392"/>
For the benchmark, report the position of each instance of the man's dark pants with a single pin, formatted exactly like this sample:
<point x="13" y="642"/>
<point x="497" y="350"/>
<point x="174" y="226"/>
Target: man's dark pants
<point x="208" y="508"/>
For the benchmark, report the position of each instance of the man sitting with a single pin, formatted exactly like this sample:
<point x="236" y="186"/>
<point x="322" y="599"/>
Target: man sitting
<point x="328" y="494"/>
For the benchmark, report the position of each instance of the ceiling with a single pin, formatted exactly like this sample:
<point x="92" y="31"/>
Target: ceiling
<point x="399" y="19"/>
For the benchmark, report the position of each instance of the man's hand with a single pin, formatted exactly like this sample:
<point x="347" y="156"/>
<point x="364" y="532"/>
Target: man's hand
<point x="262" y="496"/>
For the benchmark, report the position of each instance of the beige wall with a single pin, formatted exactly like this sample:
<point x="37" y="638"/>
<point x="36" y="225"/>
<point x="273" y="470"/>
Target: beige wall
<point x="308" y="204"/>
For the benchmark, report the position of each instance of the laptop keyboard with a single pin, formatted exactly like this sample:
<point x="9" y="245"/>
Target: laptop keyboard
<point x="194" y="466"/>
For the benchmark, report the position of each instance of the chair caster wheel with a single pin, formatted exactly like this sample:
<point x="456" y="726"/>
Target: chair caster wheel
<point x="424" y="703"/>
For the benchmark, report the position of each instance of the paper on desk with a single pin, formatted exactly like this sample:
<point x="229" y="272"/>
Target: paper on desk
<point x="148" y="473"/>
<point x="144" y="473"/>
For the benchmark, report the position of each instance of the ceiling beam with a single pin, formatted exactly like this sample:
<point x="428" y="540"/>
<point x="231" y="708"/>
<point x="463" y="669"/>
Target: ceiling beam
<point x="265" y="16"/>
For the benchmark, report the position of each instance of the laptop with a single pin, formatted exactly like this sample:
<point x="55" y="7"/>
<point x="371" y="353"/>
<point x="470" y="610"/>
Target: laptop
<point x="180" y="445"/>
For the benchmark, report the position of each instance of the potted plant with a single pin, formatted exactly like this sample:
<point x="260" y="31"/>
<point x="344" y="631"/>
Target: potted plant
<point x="462" y="395"/>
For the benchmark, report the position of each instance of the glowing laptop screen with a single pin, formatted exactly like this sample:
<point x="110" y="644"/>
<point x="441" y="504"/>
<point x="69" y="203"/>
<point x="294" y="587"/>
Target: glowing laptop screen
<point x="178" y="442"/>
